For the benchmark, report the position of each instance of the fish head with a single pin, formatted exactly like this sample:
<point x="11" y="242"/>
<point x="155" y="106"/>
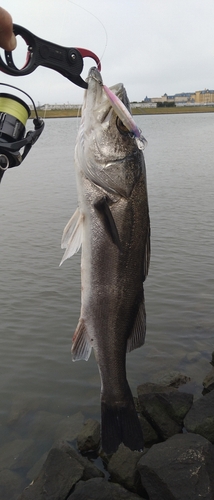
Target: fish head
<point x="106" y="152"/>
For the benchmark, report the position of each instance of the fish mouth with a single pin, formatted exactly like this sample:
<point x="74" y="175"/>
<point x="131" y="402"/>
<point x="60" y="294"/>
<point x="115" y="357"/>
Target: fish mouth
<point x="95" y="75"/>
<point x="95" y="98"/>
<point x="95" y="83"/>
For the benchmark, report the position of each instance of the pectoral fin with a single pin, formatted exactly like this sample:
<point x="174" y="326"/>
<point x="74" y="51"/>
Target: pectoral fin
<point x="81" y="346"/>
<point x="72" y="235"/>
<point x="104" y="211"/>
<point x="137" y="336"/>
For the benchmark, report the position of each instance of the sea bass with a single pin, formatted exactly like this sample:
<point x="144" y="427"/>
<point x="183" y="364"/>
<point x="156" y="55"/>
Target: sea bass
<point x="112" y="225"/>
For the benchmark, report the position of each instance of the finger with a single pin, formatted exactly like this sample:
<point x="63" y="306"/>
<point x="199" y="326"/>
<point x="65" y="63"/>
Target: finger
<point x="7" y="37"/>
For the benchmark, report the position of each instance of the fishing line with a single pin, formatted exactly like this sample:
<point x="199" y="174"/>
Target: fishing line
<point x="79" y="107"/>
<point x="78" y="116"/>
<point x="102" y="55"/>
<point x="45" y="111"/>
<point x="99" y="21"/>
<point x="104" y="49"/>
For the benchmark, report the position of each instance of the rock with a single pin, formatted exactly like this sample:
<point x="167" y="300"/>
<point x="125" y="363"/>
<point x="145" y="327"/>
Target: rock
<point x="208" y="382"/>
<point x="200" y="419"/>
<point x="173" y="379"/>
<point x="177" y="405"/>
<point x="90" y="470"/>
<point x="7" y="434"/>
<point x="21" y="406"/>
<point x="150" y="430"/>
<point x="100" y="489"/>
<point x="43" y="426"/>
<point x="34" y="471"/>
<point x="59" y="474"/>
<point x="192" y="357"/>
<point x="68" y="428"/>
<point x="154" y="409"/>
<point x="212" y="360"/>
<point x="10" y="485"/>
<point x="122" y="468"/>
<point x="150" y="387"/>
<point x="180" y="468"/>
<point x="164" y="410"/>
<point x="13" y="455"/>
<point x="89" y="437"/>
<point x="150" y="436"/>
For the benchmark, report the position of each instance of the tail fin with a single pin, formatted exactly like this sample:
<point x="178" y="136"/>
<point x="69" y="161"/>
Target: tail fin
<point x="120" y="424"/>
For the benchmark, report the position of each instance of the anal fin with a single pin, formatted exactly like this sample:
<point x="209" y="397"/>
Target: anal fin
<point x="137" y="336"/>
<point x="81" y="346"/>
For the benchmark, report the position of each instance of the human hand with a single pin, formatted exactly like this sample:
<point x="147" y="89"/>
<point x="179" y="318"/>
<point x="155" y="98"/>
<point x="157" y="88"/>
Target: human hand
<point x="7" y="37"/>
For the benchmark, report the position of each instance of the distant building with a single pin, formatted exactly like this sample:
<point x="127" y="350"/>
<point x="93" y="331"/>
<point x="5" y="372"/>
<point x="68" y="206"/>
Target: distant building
<point x="143" y="104"/>
<point x="204" y="96"/>
<point x="147" y="99"/>
<point x="164" y="98"/>
<point x="184" y="97"/>
<point x="199" y="97"/>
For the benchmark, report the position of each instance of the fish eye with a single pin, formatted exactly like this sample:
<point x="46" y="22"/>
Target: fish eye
<point x="121" y="127"/>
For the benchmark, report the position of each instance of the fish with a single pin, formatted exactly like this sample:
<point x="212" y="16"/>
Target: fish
<point x="111" y="224"/>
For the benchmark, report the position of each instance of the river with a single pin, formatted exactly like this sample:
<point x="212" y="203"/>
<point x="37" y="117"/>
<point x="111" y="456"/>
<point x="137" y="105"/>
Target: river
<point x="40" y="302"/>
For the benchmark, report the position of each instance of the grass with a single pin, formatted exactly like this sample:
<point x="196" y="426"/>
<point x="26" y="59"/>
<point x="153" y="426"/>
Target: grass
<point x="173" y="110"/>
<point x="74" y="112"/>
<point x="58" y="113"/>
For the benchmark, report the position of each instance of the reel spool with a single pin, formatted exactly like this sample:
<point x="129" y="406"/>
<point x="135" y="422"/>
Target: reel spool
<point x="14" y="113"/>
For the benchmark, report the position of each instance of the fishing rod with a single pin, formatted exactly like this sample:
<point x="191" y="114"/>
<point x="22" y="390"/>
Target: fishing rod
<point x="14" y="112"/>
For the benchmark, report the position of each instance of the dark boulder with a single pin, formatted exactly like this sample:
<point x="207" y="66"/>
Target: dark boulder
<point x="173" y="379"/>
<point x="151" y="387"/>
<point x="180" y="468"/>
<point x="122" y="468"/>
<point x="100" y="489"/>
<point x="58" y="475"/>
<point x="208" y="382"/>
<point x="150" y="436"/>
<point x="164" y="408"/>
<point x="200" y="419"/>
<point x="89" y="437"/>
<point x="90" y="470"/>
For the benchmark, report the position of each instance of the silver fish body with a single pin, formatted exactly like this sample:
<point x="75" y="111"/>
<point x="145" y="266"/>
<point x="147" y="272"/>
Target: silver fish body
<point x="112" y="225"/>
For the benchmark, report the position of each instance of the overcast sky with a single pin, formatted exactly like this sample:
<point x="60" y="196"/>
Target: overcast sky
<point x="152" y="46"/>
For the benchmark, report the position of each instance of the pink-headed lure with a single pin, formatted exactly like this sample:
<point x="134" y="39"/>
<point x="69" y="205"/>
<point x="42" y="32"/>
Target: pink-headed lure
<point x="125" y="116"/>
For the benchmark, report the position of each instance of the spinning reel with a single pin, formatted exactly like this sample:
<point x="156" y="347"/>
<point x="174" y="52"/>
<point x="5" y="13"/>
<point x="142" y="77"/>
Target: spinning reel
<point x="14" y="113"/>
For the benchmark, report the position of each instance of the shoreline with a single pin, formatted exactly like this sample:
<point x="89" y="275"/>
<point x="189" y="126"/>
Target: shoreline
<point x="76" y="112"/>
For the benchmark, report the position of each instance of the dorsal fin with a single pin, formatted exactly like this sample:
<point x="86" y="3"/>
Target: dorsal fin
<point x="104" y="211"/>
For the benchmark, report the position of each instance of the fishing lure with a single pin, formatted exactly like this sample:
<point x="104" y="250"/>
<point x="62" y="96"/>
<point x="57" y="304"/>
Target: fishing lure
<point x="126" y="118"/>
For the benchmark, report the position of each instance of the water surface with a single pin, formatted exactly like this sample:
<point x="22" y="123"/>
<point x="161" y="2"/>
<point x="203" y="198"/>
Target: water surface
<point x="40" y="302"/>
